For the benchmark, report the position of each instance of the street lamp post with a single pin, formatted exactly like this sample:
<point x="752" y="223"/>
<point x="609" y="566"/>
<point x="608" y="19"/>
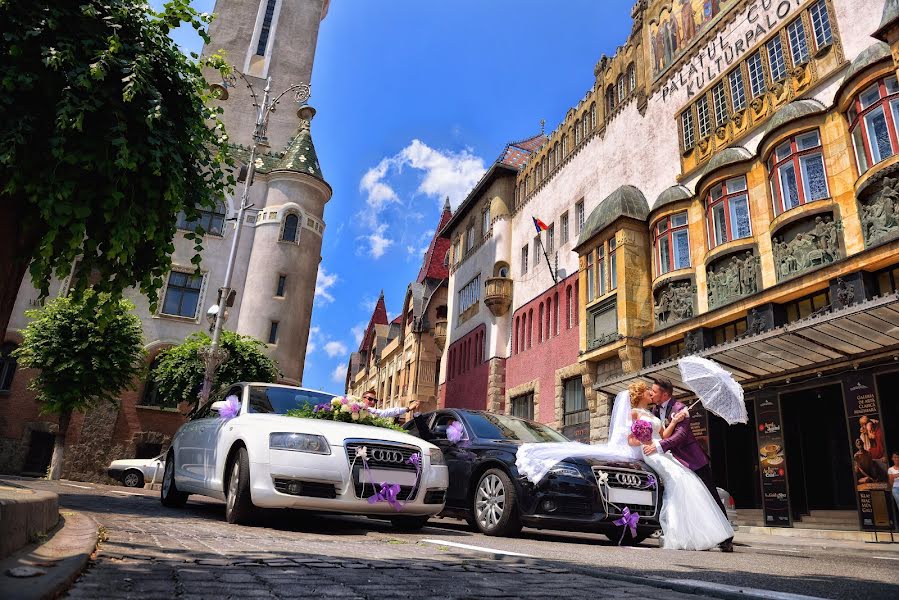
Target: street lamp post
<point x="214" y="355"/>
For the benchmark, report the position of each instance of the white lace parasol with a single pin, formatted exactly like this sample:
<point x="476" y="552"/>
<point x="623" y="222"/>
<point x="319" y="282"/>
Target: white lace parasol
<point x="715" y="387"/>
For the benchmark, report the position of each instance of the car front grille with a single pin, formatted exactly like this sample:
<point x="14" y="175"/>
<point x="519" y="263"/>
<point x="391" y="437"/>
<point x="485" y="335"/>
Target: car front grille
<point x="382" y="456"/>
<point x="627" y="479"/>
<point x="312" y="489"/>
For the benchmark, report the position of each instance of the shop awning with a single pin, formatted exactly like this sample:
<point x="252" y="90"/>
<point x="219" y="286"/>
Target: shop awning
<point x="817" y="342"/>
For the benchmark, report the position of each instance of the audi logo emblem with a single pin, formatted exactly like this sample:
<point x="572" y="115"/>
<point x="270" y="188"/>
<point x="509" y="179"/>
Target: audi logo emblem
<point x="628" y="479"/>
<point x="384" y="455"/>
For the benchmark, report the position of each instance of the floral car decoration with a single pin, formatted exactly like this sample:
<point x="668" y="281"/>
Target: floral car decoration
<point x="346" y="409"/>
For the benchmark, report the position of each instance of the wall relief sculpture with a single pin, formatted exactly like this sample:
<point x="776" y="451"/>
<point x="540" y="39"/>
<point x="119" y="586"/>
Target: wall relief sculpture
<point x="674" y="303"/>
<point x="732" y="279"/>
<point x="880" y="213"/>
<point x="808" y="249"/>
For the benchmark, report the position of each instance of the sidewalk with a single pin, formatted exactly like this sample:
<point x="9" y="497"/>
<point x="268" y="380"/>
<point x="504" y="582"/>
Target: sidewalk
<point x="799" y="543"/>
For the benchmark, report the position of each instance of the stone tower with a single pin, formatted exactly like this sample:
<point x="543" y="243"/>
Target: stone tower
<point x="276" y="39"/>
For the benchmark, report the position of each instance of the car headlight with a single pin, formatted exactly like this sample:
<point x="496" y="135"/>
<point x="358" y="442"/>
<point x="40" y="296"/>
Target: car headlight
<point x="299" y="442"/>
<point x="436" y="455"/>
<point x="566" y="470"/>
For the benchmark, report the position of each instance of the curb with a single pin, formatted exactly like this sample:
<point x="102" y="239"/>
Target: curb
<point x="25" y="515"/>
<point x="52" y="566"/>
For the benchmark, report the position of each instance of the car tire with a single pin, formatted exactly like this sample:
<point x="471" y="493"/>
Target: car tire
<point x="133" y="479"/>
<point x="495" y="504"/>
<point x="169" y="494"/>
<point x="409" y="523"/>
<point x="238" y="503"/>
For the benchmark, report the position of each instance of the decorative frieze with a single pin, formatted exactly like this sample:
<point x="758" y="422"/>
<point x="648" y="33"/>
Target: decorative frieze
<point x="730" y="280"/>
<point x="673" y="303"/>
<point x="808" y="246"/>
<point x="879" y="213"/>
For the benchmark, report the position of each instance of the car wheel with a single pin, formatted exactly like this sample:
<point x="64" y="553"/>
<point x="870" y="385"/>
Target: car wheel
<point x="239" y="505"/>
<point x="495" y="504"/>
<point x="133" y="479"/>
<point x="409" y="523"/>
<point x="169" y="494"/>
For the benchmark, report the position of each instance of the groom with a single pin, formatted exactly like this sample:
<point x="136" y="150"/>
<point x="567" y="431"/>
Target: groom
<point x="682" y="444"/>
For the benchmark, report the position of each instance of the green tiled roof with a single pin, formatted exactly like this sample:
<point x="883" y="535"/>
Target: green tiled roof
<point x="626" y="201"/>
<point x="299" y="156"/>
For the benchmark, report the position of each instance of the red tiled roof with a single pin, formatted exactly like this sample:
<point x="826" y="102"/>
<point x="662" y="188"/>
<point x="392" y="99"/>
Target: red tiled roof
<point x="516" y="154"/>
<point x="433" y="265"/>
<point x="378" y="317"/>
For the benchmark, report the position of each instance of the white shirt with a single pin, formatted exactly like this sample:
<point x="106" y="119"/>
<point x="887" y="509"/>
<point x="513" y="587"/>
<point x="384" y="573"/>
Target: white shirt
<point x="388" y="413"/>
<point x="663" y="414"/>
<point x="894" y="471"/>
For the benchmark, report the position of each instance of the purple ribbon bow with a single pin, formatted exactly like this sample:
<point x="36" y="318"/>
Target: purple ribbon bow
<point x="388" y="494"/>
<point x="629" y="521"/>
<point x="455" y="432"/>
<point x="231" y="408"/>
<point x="651" y="482"/>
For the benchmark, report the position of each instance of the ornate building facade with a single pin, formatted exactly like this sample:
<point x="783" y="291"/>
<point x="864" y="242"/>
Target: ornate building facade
<point x="275" y="268"/>
<point x="400" y="359"/>
<point x="726" y="188"/>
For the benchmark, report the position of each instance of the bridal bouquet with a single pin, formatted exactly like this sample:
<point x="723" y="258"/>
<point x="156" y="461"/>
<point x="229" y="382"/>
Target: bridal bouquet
<point x="642" y="431"/>
<point x="343" y="408"/>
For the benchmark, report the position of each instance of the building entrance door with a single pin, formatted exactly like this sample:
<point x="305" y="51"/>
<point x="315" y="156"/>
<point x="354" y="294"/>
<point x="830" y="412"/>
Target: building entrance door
<point x="735" y="463"/>
<point x="40" y="452"/>
<point x="819" y="466"/>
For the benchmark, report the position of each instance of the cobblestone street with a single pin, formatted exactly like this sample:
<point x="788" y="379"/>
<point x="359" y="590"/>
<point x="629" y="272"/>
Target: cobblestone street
<point x="153" y="552"/>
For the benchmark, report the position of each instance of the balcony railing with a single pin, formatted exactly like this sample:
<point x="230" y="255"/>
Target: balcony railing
<point x="440" y="333"/>
<point x="498" y="295"/>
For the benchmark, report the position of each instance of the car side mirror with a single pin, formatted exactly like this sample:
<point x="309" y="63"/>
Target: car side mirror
<point x="218" y="405"/>
<point x="439" y="432"/>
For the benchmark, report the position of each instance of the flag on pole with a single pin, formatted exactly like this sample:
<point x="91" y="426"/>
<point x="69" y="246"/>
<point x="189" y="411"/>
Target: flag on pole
<point x="540" y="225"/>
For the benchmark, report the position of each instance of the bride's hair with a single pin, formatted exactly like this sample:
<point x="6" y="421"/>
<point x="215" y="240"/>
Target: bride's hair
<point x="636" y="389"/>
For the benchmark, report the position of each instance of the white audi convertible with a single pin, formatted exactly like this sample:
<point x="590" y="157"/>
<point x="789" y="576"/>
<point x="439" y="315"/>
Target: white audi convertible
<point x="262" y="458"/>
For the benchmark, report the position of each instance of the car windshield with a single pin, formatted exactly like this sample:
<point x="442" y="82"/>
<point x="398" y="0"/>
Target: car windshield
<point x="279" y="400"/>
<point x="502" y="427"/>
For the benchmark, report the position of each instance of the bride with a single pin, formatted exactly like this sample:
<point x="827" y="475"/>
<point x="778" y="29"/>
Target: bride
<point x="690" y="517"/>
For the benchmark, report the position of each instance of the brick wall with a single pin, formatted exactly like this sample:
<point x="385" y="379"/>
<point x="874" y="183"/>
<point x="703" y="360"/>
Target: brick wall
<point x="467" y="374"/>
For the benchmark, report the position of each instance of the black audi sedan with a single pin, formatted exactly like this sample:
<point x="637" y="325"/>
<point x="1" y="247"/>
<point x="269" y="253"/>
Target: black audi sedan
<point x="578" y="494"/>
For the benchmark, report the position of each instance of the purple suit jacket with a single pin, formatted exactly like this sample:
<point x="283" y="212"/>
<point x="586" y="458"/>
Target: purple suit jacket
<point x="682" y="444"/>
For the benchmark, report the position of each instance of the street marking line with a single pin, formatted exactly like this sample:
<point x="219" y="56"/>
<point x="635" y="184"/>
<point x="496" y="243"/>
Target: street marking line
<point x="748" y="591"/>
<point x="126" y="493"/>
<point x="83" y="487"/>
<point x="475" y="548"/>
<point x="777" y="549"/>
<point x="886" y="557"/>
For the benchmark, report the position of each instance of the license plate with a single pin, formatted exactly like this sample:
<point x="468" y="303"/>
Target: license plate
<point x="623" y="496"/>
<point x="379" y="476"/>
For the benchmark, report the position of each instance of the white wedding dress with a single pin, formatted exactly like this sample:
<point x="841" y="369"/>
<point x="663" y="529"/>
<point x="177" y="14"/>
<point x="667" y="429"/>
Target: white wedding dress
<point x="690" y="517"/>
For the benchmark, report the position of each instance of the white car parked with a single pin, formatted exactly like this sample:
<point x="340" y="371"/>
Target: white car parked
<point x="261" y="457"/>
<point x="134" y="472"/>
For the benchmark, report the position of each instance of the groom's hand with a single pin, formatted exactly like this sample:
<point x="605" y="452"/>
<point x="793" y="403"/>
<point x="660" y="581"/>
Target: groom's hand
<point x="649" y="449"/>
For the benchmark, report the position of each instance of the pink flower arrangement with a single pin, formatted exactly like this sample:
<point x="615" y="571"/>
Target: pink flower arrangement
<point x="642" y="431"/>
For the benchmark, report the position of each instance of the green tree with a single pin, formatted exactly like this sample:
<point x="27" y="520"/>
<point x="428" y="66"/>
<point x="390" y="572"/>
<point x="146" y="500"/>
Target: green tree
<point x="180" y="370"/>
<point x="105" y="136"/>
<point x="81" y="359"/>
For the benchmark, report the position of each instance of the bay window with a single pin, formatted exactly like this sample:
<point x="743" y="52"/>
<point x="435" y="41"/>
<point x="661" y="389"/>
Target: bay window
<point x="796" y="172"/>
<point x="613" y="264"/>
<point x="672" y="243"/>
<point x="727" y="208"/>
<point x="591" y="278"/>
<point x="872" y="121"/>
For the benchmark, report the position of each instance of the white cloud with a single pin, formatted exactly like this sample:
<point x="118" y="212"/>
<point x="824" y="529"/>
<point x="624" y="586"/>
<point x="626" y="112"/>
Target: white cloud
<point x="338" y="375"/>
<point x="324" y="281"/>
<point x="359" y="331"/>
<point x="311" y="343"/>
<point x="368" y="303"/>
<point x="335" y="348"/>
<point x="443" y="173"/>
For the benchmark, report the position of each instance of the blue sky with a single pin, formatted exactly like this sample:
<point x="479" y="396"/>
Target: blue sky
<point x="415" y="99"/>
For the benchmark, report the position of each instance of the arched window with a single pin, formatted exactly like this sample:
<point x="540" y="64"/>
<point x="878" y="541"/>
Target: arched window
<point x="610" y="99"/>
<point x="540" y="324"/>
<point x="577" y="133"/>
<point x="564" y="145"/>
<point x="530" y="328"/>
<point x="549" y="318"/>
<point x="631" y="78"/>
<point x="593" y="116"/>
<point x="556" y="316"/>
<point x="568" y="311"/>
<point x="291" y="231"/>
<point x="585" y="125"/>
<point x="515" y="336"/>
<point x="622" y="91"/>
<point x="8" y="365"/>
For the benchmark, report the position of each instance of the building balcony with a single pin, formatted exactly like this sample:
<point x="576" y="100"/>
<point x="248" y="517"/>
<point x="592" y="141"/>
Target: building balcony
<point x="440" y="333"/>
<point x="498" y="295"/>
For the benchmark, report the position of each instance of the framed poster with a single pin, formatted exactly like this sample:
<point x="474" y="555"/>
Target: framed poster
<point x="772" y="461"/>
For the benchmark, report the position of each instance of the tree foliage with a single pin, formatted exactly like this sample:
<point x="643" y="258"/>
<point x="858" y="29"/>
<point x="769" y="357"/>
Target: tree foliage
<point x="105" y="136"/>
<point x="81" y="359"/>
<point x="180" y="370"/>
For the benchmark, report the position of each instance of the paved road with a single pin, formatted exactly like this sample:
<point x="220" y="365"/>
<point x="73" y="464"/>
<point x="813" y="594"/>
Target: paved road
<point x="155" y="552"/>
